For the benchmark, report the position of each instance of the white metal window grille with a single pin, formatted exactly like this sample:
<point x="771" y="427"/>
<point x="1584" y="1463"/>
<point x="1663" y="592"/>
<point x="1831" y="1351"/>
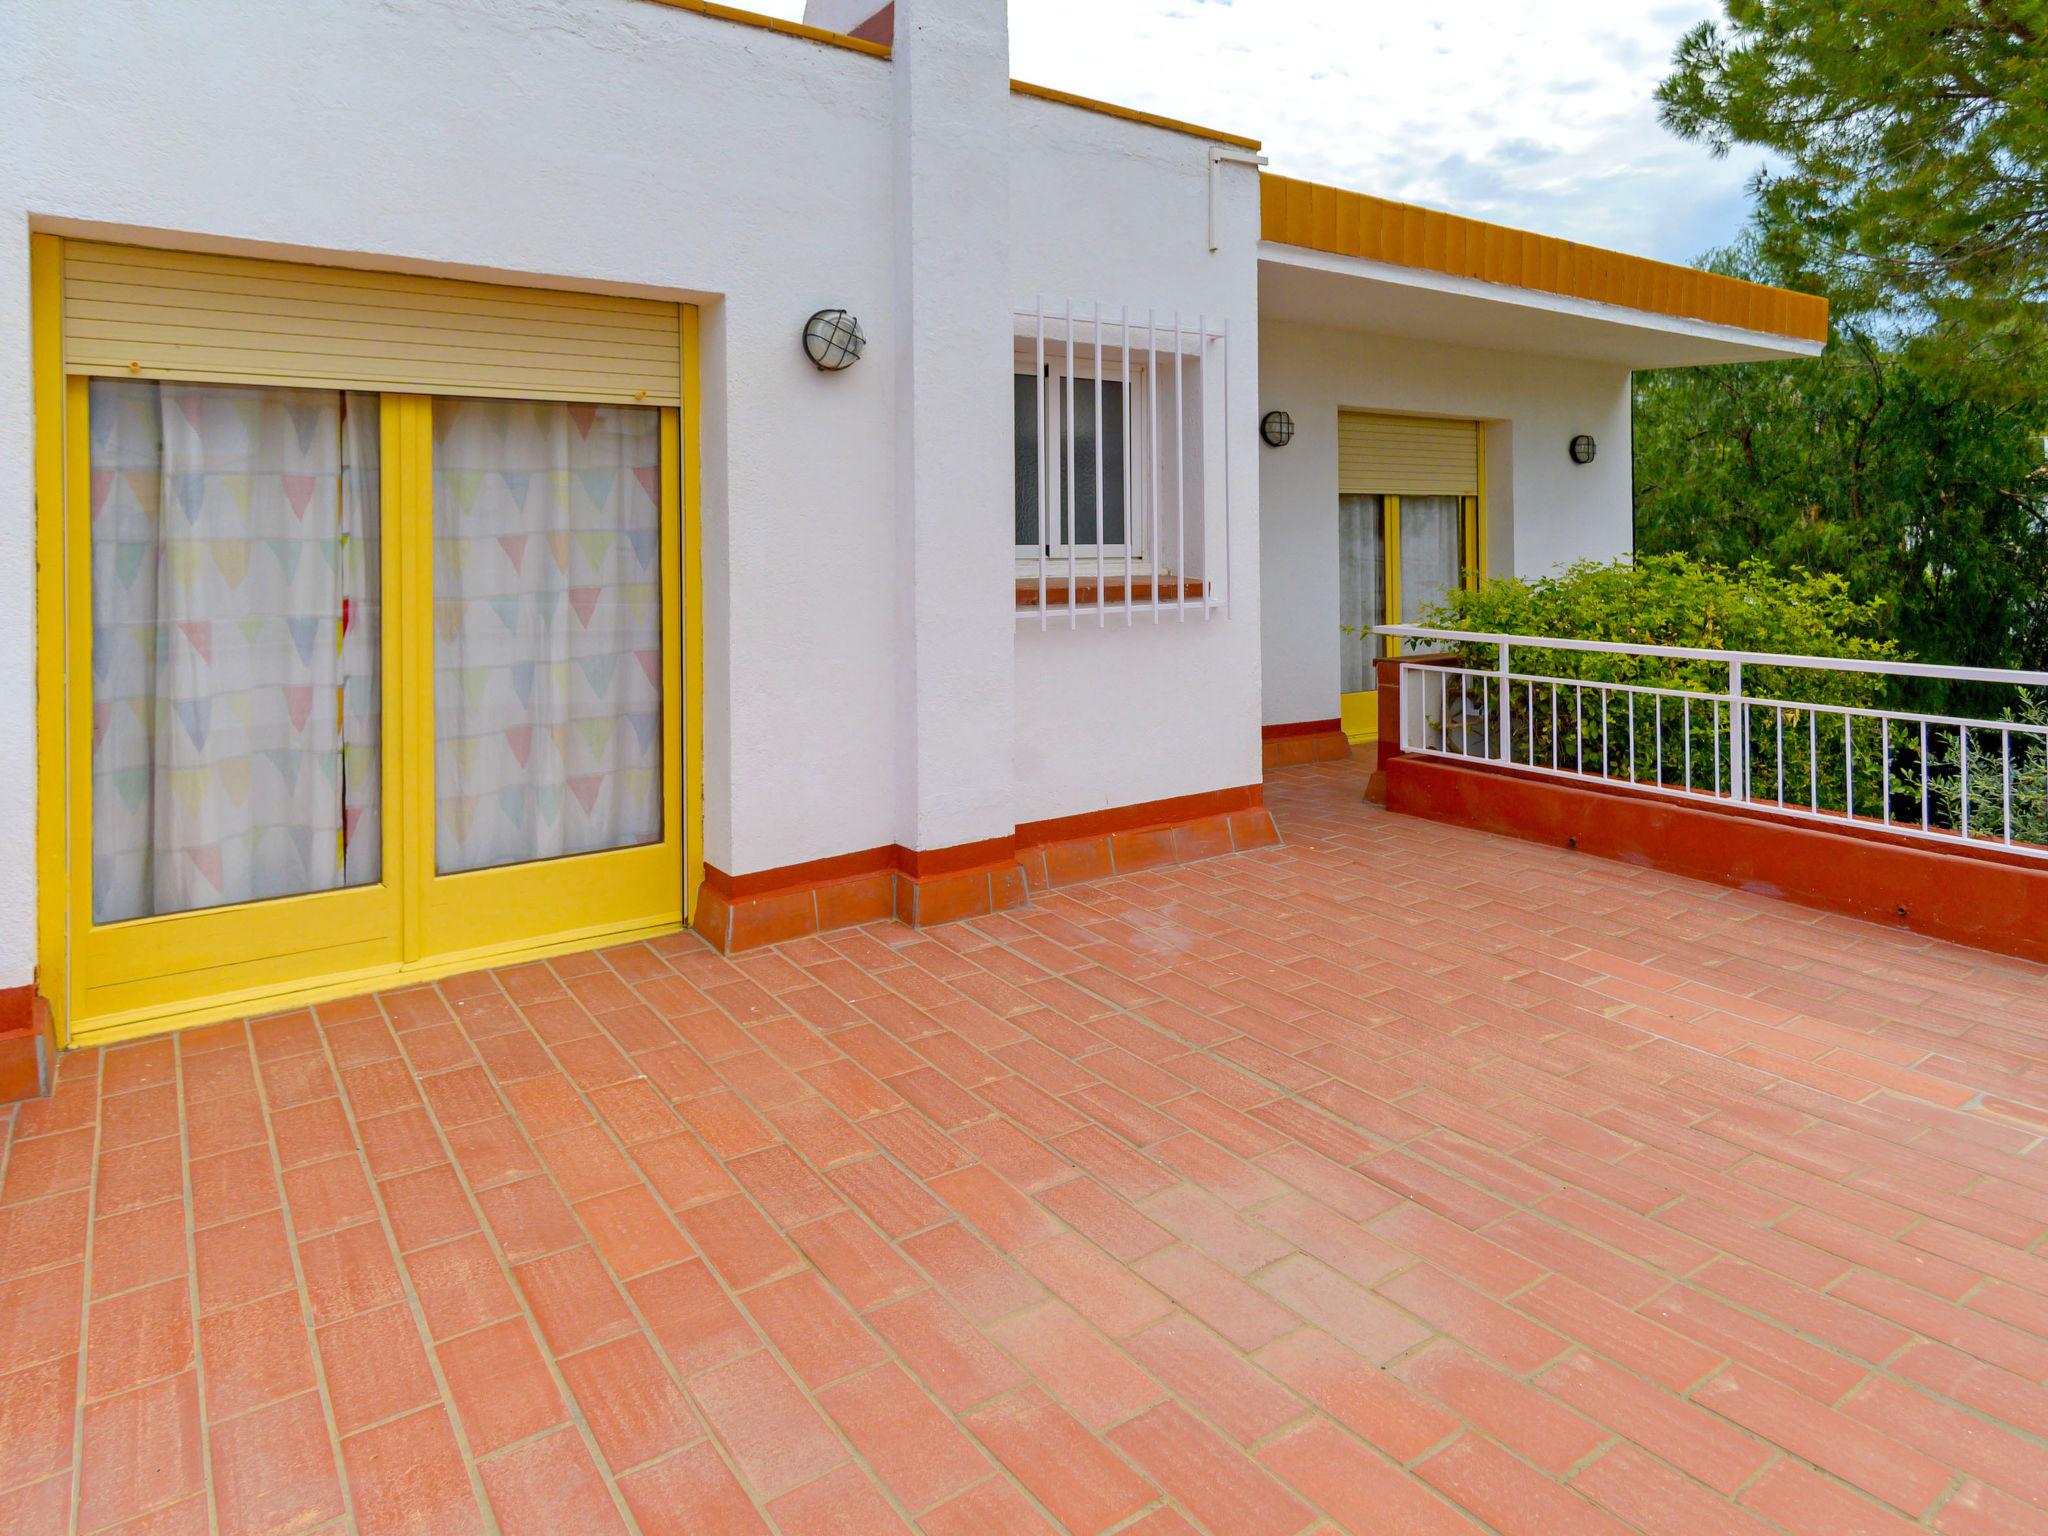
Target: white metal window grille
<point x="1156" y="543"/>
<point x="1950" y="779"/>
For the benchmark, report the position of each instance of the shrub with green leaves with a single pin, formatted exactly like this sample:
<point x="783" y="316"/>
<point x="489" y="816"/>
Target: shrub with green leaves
<point x="2008" y="777"/>
<point x="1677" y="601"/>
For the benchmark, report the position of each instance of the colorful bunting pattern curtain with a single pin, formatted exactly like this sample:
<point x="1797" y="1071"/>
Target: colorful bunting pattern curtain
<point x="547" y="655"/>
<point x="236" y="710"/>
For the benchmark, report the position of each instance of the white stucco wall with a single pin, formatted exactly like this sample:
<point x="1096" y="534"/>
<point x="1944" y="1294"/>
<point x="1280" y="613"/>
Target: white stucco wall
<point x="605" y="142"/>
<point x="637" y="147"/>
<point x="1103" y="209"/>
<point x="1543" y="511"/>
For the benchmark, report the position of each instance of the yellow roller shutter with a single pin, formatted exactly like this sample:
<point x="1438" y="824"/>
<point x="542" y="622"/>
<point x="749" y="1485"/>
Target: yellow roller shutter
<point x="147" y="313"/>
<point x="1406" y="456"/>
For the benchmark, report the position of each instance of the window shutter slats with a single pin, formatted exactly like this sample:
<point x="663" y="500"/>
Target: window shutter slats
<point x="1406" y="456"/>
<point x="144" y="313"/>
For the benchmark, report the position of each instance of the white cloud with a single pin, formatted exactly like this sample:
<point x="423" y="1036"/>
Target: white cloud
<point x="1535" y="113"/>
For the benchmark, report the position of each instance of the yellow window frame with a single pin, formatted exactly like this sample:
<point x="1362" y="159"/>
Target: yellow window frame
<point x="114" y="981"/>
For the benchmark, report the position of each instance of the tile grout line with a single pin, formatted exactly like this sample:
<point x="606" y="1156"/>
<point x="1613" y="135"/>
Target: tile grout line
<point x="191" y="1235"/>
<point x="537" y="1336"/>
<point x="1120" y="1008"/>
<point x="445" y="1400"/>
<point x="302" y="1291"/>
<point x="952" y="1216"/>
<point x="76" y="1510"/>
<point x="734" y="1297"/>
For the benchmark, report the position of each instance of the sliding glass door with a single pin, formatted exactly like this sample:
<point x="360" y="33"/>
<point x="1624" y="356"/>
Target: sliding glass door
<point x="359" y="618"/>
<point x="555" y="780"/>
<point x="367" y="680"/>
<point x="1398" y="556"/>
<point x="228" y="721"/>
<point x="1410" y="491"/>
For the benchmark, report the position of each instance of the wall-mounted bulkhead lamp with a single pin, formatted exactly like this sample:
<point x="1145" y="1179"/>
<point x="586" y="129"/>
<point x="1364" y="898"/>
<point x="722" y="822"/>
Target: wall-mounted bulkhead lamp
<point x="833" y="340"/>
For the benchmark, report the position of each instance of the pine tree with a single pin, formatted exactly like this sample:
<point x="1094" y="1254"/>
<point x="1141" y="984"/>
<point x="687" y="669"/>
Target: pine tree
<point x="1912" y="137"/>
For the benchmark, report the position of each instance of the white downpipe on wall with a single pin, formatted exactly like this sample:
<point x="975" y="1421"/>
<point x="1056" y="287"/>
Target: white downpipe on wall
<point x="1218" y="158"/>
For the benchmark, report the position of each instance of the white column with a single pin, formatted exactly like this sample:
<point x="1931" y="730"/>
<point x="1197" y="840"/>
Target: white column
<point x="951" y="352"/>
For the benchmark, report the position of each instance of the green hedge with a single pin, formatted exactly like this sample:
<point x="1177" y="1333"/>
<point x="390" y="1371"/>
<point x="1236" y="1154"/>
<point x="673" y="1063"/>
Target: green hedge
<point x="1802" y="756"/>
<point x="1678" y="601"/>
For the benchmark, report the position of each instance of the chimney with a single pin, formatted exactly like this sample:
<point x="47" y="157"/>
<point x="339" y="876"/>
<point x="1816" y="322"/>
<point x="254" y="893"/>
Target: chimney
<point x="875" y="23"/>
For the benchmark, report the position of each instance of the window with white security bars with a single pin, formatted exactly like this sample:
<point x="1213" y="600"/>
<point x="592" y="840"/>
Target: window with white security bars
<point x="1122" y="465"/>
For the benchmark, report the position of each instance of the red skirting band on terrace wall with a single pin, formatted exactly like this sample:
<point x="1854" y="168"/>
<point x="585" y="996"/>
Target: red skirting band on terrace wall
<point x="939" y="885"/>
<point x="1993" y="900"/>
<point x="1303" y="741"/>
<point x="27" y="1052"/>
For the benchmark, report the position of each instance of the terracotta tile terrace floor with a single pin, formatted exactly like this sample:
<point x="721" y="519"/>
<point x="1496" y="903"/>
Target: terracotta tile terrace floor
<point x="1401" y="1179"/>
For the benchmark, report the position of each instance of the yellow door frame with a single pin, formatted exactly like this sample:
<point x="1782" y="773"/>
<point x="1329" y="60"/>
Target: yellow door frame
<point x="1359" y="712"/>
<point x="1390" y="567"/>
<point x="382" y="933"/>
<point x="53" y="751"/>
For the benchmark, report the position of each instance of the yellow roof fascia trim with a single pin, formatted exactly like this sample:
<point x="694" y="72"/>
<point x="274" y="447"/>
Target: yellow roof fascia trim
<point x="730" y="13"/>
<point x="1130" y="114"/>
<point x="1344" y="223"/>
<point x="742" y="18"/>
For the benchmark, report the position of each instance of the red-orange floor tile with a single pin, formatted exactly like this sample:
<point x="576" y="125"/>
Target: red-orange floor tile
<point x="1394" y="1178"/>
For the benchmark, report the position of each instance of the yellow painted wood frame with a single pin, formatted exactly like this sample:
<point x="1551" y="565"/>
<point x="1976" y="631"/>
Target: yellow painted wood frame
<point x="53" y="754"/>
<point x="1358" y="714"/>
<point x="1471" y="526"/>
<point x="153" y="965"/>
<point x="693" y="616"/>
<point x="484" y="912"/>
<point x="110" y="982"/>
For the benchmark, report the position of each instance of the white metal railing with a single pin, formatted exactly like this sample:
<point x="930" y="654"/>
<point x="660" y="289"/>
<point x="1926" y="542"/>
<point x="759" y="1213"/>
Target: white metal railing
<point x="1896" y="768"/>
<point x="1170" y="494"/>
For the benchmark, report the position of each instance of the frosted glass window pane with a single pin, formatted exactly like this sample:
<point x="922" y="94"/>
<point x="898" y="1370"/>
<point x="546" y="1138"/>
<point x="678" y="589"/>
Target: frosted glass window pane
<point x="1361" y="586"/>
<point x="236" y="627"/>
<point x="547" y="630"/>
<point x="1081" y="490"/>
<point x="1432" y="529"/>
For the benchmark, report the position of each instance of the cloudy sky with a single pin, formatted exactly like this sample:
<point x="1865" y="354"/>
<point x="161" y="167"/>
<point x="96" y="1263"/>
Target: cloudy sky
<point x="1535" y="113"/>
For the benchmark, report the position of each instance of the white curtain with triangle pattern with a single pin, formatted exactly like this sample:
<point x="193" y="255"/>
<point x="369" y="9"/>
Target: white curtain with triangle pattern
<point x="236" y="711"/>
<point x="547" y="647"/>
<point x="1432" y="530"/>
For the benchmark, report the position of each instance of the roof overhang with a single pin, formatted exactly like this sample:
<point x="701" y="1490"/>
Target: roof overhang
<point x="1347" y="261"/>
<point x="1347" y="294"/>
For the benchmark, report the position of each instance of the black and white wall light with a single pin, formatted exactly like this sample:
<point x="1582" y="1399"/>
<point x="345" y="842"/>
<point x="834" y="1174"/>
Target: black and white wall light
<point x="833" y="340"/>
<point x="1583" y="448"/>
<point x="1277" y="428"/>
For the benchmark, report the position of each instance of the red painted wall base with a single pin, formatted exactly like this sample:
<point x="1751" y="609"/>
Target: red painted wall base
<point x="1993" y="902"/>
<point x="27" y="1051"/>
<point x="943" y="886"/>
<point x="1307" y="741"/>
